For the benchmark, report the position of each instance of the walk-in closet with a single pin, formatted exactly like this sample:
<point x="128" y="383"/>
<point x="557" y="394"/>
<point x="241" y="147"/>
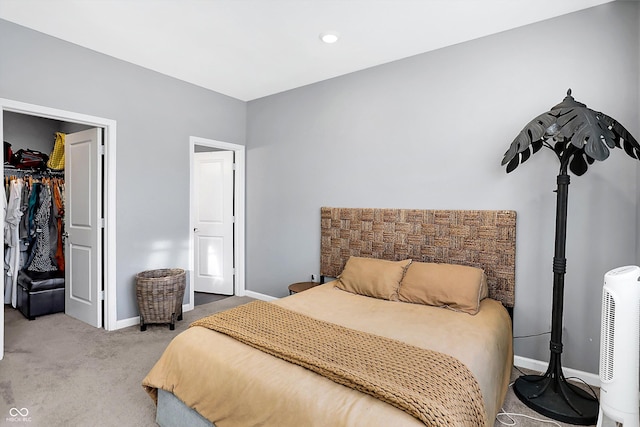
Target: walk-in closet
<point x="35" y="211"/>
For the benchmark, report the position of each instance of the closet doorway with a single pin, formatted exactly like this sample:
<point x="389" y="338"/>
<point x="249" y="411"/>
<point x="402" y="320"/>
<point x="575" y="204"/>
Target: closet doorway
<point x="89" y="226"/>
<point x="216" y="217"/>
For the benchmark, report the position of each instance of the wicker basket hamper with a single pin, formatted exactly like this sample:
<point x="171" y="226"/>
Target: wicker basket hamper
<point x="160" y="293"/>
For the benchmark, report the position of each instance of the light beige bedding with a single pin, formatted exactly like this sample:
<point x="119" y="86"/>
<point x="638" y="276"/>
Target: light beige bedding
<point x="232" y="384"/>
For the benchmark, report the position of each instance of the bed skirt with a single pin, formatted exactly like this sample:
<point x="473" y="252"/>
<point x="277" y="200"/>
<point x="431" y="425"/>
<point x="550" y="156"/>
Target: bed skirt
<point x="172" y="412"/>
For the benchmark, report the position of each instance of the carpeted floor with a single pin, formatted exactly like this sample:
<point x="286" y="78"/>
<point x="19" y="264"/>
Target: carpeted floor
<point x="526" y="417"/>
<point x="66" y="373"/>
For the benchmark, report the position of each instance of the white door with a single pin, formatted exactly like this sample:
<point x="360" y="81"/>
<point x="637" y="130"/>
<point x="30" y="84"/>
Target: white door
<point x="83" y="226"/>
<point x="213" y="222"/>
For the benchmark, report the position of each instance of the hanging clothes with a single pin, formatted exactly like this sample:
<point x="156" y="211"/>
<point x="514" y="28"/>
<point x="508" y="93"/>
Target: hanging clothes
<point x="33" y="228"/>
<point x="29" y="238"/>
<point x="13" y="214"/>
<point x="7" y="283"/>
<point x="58" y="213"/>
<point x="41" y="258"/>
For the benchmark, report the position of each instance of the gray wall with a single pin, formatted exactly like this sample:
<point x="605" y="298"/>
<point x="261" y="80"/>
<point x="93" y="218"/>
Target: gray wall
<point x="23" y="131"/>
<point x="430" y="132"/>
<point x="155" y="116"/>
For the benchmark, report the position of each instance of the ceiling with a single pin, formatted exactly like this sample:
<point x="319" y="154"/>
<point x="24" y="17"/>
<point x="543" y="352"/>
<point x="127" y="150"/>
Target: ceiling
<point x="248" y="49"/>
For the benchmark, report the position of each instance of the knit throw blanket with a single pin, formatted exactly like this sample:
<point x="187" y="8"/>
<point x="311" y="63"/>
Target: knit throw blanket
<point x="436" y="388"/>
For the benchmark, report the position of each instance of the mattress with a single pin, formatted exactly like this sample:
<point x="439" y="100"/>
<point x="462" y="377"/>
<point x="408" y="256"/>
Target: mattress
<point x="232" y="384"/>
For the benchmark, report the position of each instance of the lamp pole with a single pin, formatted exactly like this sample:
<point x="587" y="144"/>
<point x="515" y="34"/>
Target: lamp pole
<point x="550" y="394"/>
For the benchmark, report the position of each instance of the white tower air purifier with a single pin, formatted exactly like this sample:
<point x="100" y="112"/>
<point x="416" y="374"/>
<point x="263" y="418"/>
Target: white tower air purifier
<point x="619" y="348"/>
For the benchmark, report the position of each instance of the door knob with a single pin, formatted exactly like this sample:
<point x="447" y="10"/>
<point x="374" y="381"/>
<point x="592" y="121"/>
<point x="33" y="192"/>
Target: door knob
<point x="195" y="230"/>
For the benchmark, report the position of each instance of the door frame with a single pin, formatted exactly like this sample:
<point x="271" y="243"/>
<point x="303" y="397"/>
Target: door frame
<point x="109" y="197"/>
<point x="239" y="211"/>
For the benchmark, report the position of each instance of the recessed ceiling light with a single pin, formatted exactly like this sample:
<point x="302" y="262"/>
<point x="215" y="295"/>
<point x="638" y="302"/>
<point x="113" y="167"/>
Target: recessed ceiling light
<point x="329" y="37"/>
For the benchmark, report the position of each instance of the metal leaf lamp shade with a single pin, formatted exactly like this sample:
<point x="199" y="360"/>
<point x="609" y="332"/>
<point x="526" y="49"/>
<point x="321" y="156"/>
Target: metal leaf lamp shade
<point x="578" y="136"/>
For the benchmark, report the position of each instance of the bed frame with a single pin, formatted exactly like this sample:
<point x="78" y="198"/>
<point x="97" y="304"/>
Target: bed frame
<point x="478" y="238"/>
<point x="484" y="239"/>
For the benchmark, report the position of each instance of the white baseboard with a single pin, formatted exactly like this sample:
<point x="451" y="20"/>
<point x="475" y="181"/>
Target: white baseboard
<point x="259" y="296"/>
<point x="540" y="366"/>
<point x="132" y="321"/>
<point x="125" y="323"/>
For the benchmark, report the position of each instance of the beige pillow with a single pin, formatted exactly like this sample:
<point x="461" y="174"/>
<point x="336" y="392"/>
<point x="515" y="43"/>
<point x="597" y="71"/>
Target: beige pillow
<point x="457" y="287"/>
<point x="376" y="278"/>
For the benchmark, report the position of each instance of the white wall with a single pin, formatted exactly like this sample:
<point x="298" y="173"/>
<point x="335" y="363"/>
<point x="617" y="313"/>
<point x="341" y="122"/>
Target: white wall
<point x="430" y="132"/>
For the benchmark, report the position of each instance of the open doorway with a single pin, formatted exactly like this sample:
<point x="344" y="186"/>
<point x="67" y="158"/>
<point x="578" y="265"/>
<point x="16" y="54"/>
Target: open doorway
<point x="203" y="253"/>
<point x="106" y="130"/>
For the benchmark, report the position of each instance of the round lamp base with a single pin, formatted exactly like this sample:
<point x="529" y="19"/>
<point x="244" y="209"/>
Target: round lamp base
<point x="557" y="399"/>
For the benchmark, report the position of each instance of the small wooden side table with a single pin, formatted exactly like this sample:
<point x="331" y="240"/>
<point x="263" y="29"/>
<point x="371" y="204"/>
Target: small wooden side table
<point x="301" y="286"/>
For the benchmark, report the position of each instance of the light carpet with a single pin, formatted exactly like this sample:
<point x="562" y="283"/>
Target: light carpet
<point x="58" y="371"/>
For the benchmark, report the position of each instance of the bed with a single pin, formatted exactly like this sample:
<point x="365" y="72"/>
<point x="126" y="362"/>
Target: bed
<point x="398" y="355"/>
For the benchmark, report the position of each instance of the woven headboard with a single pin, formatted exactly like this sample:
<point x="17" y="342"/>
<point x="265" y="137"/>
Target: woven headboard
<point x="484" y="239"/>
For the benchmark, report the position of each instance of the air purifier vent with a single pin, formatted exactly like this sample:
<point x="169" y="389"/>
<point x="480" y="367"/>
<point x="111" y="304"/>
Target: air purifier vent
<point x="619" y="348"/>
<point x="607" y="348"/>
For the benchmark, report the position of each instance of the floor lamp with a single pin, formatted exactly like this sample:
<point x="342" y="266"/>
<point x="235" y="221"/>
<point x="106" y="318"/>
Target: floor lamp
<point x="578" y="136"/>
